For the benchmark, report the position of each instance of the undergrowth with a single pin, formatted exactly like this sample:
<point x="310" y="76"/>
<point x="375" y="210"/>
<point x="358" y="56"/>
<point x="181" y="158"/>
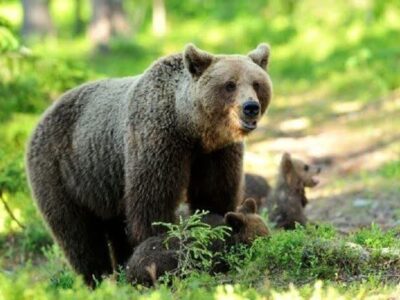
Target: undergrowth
<point x="368" y="258"/>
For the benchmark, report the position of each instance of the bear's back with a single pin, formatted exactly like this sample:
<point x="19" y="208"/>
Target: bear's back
<point x="83" y="134"/>
<point x="256" y="187"/>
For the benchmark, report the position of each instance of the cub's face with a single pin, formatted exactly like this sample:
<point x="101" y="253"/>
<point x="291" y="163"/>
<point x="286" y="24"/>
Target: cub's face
<point x="296" y="171"/>
<point x="246" y="224"/>
<point x="306" y="172"/>
<point x="230" y="93"/>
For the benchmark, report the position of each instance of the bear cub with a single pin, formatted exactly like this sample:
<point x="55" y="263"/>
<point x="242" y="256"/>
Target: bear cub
<point x="286" y="202"/>
<point x="152" y="258"/>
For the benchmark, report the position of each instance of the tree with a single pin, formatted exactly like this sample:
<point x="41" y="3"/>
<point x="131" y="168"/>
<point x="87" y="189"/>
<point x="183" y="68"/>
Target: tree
<point x="159" y="18"/>
<point x="79" y="23"/>
<point x="108" y="19"/>
<point x="37" y="19"/>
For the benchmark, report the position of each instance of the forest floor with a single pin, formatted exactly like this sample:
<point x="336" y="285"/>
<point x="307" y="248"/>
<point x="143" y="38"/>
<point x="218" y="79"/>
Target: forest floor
<point x="357" y="145"/>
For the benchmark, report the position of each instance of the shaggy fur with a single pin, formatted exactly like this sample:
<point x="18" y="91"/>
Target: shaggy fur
<point x="256" y="187"/>
<point x="111" y="157"/>
<point x="152" y="258"/>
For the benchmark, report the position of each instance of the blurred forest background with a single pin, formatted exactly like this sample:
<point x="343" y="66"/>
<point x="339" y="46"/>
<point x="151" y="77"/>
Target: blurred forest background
<point x="335" y="67"/>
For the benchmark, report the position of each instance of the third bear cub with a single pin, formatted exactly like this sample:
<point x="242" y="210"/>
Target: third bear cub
<point x="286" y="202"/>
<point x="152" y="258"/>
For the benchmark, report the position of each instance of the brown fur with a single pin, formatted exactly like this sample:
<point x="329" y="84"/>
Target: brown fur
<point x="246" y="225"/>
<point x="287" y="200"/>
<point x="111" y="157"/>
<point x="256" y="187"/>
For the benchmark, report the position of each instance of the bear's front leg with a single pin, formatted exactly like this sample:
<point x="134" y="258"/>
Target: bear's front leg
<point x="216" y="180"/>
<point x="156" y="172"/>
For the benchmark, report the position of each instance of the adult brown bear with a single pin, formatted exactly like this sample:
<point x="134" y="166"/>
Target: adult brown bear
<point x="113" y="156"/>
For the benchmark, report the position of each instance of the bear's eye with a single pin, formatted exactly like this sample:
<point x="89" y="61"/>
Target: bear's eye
<point x="230" y="86"/>
<point x="256" y="86"/>
<point x="306" y="168"/>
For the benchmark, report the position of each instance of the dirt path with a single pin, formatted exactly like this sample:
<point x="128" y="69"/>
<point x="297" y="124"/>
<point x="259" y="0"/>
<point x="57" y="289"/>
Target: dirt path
<point x="352" y="144"/>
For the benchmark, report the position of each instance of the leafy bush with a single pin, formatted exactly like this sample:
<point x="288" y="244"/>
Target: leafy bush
<point x="194" y="239"/>
<point x="341" y="50"/>
<point x="61" y="276"/>
<point x="26" y="90"/>
<point x="28" y="80"/>
<point x="8" y="40"/>
<point x="304" y="255"/>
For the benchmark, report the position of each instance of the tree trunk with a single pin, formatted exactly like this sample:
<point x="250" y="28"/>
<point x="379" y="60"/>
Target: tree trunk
<point x="120" y="25"/>
<point x="100" y="26"/>
<point x="108" y="19"/>
<point x="159" y="18"/>
<point x="79" y="23"/>
<point x="37" y="19"/>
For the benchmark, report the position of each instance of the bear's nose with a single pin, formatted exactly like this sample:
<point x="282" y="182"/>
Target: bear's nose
<point x="251" y="108"/>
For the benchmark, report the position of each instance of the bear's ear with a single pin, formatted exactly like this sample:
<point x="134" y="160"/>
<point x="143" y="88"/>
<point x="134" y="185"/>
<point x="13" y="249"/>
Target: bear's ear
<point x="196" y="60"/>
<point x="286" y="167"/>
<point x="235" y="220"/>
<point x="249" y="206"/>
<point x="260" y="55"/>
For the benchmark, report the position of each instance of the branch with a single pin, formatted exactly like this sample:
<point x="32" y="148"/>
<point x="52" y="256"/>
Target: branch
<point x="10" y="213"/>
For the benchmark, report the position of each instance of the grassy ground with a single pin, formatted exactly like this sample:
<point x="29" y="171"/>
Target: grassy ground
<point x="337" y="103"/>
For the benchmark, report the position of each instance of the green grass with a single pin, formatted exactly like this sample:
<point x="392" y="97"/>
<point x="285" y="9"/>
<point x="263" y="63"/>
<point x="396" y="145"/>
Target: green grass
<point x="391" y="170"/>
<point x="364" y="261"/>
<point x="323" y="57"/>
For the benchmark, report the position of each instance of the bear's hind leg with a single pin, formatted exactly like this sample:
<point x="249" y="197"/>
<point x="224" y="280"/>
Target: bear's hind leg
<point x="117" y="235"/>
<point x="77" y="231"/>
<point x="82" y="238"/>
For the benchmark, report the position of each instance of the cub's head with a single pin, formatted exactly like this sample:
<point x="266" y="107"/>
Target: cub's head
<point x="246" y="224"/>
<point x="230" y="93"/>
<point x="297" y="173"/>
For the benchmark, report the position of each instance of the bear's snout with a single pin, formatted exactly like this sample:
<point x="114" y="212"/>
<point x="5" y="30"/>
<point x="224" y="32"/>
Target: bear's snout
<point x="251" y="109"/>
<point x="250" y="113"/>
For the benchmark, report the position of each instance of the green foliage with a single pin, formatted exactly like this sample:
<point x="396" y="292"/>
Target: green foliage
<point x="12" y="175"/>
<point x="28" y="80"/>
<point x="24" y="89"/>
<point x="300" y="256"/>
<point x="8" y="40"/>
<point x="341" y="51"/>
<point x="14" y="191"/>
<point x="391" y="170"/>
<point x="61" y="276"/>
<point x="304" y="255"/>
<point x="375" y="238"/>
<point x="194" y="238"/>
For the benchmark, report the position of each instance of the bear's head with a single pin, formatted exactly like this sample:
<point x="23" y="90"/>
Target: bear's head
<point x="246" y="224"/>
<point x="228" y="93"/>
<point x="296" y="173"/>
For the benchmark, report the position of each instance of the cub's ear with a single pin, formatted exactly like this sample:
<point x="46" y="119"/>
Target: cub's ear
<point x="196" y="60"/>
<point x="286" y="162"/>
<point x="249" y="206"/>
<point x="286" y="167"/>
<point x="235" y="220"/>
<point x="260" y="55"/>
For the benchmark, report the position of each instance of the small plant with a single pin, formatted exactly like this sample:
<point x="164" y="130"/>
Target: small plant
<point x="12" y="178"/>
<point x="194" y="241"/>
<point x="61" y="276"/>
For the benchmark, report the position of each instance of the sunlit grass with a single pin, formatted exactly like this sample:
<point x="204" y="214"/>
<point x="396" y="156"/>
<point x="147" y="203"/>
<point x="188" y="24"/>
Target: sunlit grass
<point x="335" y="71"/>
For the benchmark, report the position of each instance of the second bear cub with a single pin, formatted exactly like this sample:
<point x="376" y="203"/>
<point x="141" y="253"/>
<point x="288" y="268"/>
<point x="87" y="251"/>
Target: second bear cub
<point x="286" y="202"/>
<point x="152" y="258"/>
